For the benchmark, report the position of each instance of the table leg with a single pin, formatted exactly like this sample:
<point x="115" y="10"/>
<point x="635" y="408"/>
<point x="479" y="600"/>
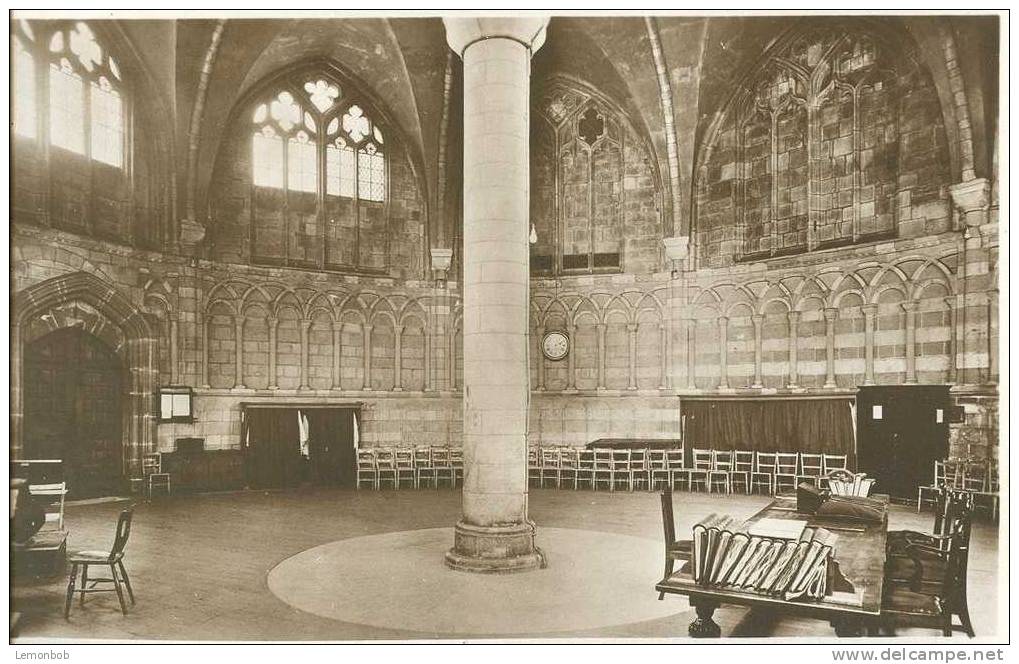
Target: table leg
<point x="847" y="627"/>
<point x="704" y="627"/>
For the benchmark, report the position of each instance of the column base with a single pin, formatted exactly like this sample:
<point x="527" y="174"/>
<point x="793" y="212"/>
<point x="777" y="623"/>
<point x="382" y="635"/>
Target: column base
<point x="494" y="549"/>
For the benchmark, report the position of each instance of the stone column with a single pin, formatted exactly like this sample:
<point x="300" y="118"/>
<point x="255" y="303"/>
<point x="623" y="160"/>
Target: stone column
<point x="600" y="329"/>
<point x="205" y="352"/>
<point x="571" y="362"/>
<point x="869" y="312"/>
<point x="398" y="358"/>
<point x="274" y="324"/>
<point x="366" y="380"/>
<point x="663" y="375"/>
<point x="758" y="321"/>
<point x="494" y="533"/>
<point x="427" y="357"/>
<point x="691" y="353"/>
<point x="174" y="350"/>
<point x="952" y="346"/>
<point x="305" y="351"/>
<point x="540" y="359"/>
<point x="910" y="309"/>
<point x="337" y="353"/>
<point x="239" y="352"/>
<point x="794" y="349"/>
<point x="452" y="359"/>
<point x="830" y="315"/>
<point x="723" y="353"/>
<point x="632" y="329"/>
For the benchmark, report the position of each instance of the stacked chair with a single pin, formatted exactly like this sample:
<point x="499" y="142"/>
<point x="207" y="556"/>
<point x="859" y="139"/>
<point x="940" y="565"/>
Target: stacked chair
<point x="407" y="467"/>
<point x="978" y="477"/>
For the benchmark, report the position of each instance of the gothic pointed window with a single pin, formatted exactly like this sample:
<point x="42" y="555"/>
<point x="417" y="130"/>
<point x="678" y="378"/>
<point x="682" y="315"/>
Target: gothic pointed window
<point x="86" y="104"/>
<point x="24" y="84"/>
<point x="319" y="173"/>
<point x="828" y="144"/>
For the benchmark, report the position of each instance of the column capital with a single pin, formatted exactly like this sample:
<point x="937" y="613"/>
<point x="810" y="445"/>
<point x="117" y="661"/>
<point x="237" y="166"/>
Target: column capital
<point x="631" y="327"/>
<point x="869" y="309"/>
<point x="441" y="259"/>
<point x="971" y="195"/>
<point x="794" y="315"/>
<point x="676" y="248"/>
<point x="757" y="319"/>
<point x="909" y="306"/>
<point x="831" y="313"/>
<point x="462" y="31"/>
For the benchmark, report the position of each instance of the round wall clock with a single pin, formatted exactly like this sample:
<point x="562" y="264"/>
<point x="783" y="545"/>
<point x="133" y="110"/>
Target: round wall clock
<point x="555" y="345"/>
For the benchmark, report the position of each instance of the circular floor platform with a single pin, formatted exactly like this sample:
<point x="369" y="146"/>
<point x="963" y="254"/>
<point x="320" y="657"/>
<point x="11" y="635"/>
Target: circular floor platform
<point x="399" y="580"/>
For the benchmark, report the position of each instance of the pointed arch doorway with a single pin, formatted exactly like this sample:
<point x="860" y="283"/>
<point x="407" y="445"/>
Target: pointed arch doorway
<point x="73" y="384"/>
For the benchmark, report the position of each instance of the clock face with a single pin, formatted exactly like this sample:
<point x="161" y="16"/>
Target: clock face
<point x="555" y="345"/>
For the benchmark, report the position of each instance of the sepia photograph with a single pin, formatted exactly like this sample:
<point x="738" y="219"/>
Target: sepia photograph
<point x="508" y="326"/>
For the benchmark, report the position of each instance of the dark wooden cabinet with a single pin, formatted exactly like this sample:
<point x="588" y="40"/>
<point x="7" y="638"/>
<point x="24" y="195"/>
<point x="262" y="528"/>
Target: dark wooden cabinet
<point x="213" y="470"/>
<point x="901" y="431"/>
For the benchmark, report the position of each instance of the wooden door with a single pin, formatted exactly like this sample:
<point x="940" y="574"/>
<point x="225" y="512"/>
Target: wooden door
<point x="73" y="411"/>
<point x="901" y="431"/>
<point x="331" y="443"/>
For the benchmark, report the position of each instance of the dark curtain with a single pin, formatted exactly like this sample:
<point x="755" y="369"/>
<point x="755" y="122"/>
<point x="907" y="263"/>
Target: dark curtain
<point x="773" y="425"/>
<point x="274" y="447"/>
<point x="331" y="445"/>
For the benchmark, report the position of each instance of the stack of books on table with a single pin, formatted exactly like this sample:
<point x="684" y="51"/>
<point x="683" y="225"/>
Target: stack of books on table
<point x="792" y="564"/>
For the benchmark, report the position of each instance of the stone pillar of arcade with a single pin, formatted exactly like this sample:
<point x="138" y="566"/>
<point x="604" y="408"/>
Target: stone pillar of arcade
<point x="494" y="533"/>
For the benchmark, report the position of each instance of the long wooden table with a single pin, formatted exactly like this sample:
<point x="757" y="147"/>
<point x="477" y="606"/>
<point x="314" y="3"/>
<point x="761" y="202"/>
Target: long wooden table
<point x="859" y="551"/>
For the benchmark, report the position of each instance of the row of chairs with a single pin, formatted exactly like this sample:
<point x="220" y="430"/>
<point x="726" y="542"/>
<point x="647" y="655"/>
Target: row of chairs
<point x="710" y="470"/>
<point x="976" y="476"/>
<point x="403" y="466"/>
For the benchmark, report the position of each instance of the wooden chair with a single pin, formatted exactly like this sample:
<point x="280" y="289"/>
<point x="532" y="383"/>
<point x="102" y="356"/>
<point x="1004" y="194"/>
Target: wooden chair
<point x="424" y="471"/>
<point x="456" y="458"/>
<point x="742" y="469"/>
<point x="640" y="474"/>
<point x="935" y="598"/>
<point x="721" y="470"/>
<point x="405" y="470"/>
<point x="835" y="462"/>
<point x="811" y="469"/>
<point x="114" y="558"/>
<point x="991" y="490"/>
<point x="569" y="466"/>
<point x="952" y="505"/>
<point x="152" y="471"/>
<point x="831" y="463"/>
<point x="367" y="471"/>
<point x="443" y="466"/>
<point x="603" y="469"/>
<point x="585" y="467"/>
<point x="700" y="473"/>
<point x="549" y="466"/>
<point x="786" y="470"/>
<point x="658" y="469"/>
<point x="385" y="463"/>
<point x="674" y="549"/>
<point x="533" y="465"/>
<point x="621" y="469"/>
<point x="765" y="464"/>
<point x="678" y="470"/>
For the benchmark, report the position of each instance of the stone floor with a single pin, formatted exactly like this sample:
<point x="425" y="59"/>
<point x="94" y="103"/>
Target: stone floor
<point x="200" y="567"/>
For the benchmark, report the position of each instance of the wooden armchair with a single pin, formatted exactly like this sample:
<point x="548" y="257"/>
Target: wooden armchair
<point x="674" y="549"/>
<point x="937" y="589"/>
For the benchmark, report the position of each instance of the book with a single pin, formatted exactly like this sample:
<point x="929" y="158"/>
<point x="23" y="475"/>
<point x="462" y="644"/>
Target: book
<point x="781" y="562"/>
<point x="737" y="543"/>
<point x="778" y="528"/>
